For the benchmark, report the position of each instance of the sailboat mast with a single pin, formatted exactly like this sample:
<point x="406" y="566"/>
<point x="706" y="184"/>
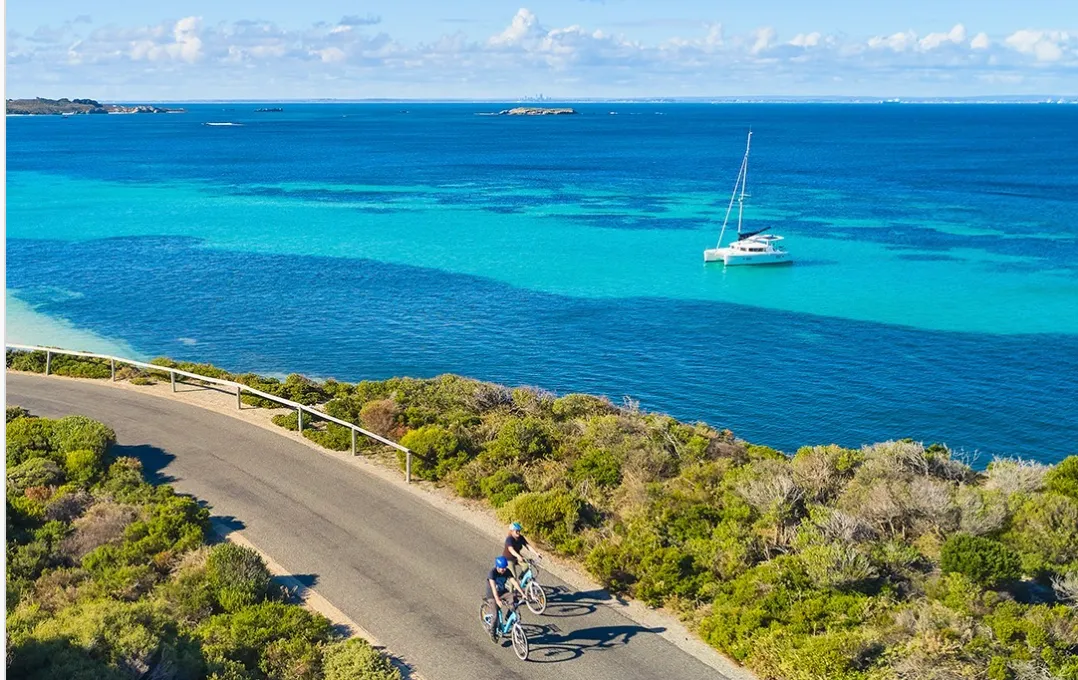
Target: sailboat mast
<point x="733" y="196"/>
<point x="744" y="179"/>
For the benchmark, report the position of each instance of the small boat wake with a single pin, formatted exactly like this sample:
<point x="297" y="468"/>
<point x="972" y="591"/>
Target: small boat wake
<point x="224" y="124"/>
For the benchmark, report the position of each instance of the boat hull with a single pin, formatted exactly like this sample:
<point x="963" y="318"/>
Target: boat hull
<point x="735" y="259"/>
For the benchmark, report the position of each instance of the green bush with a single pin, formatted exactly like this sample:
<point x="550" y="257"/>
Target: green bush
<point x="1045" y="531"/>
<point x="573" y="406"/>
<point x="502" y="486"/>
<point x="436" y="451"/>
<point x="16" y="412"/>
<point x="290" y="420"/>
<point x="601" y="468"/>
<point x="30" y="362"/>
<point x="33" y="472"/>
<point x="334" y="437"/>
<point x="80" y="367"/>
<point x="522" y="440"/>
<point x="237" y="575"/>
<point x="84" y="466"/>
<point x="293" y="658"/>
<point x="241" y="636"/>
<point x="355" y="659"/>
<point x="984" y="561"/>
<point x="552" y="516"/>
<point x="27" y="438"/>
<point x="1063" y="478"/>
<point x="78" y="433"/>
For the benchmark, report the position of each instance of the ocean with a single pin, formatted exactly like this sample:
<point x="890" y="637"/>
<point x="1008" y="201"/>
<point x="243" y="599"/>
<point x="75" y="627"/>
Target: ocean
<point x="934" y="294"/>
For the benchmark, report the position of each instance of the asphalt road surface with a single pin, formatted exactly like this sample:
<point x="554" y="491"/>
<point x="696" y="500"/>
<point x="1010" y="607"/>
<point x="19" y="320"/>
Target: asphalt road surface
<point x="404" y="570"/>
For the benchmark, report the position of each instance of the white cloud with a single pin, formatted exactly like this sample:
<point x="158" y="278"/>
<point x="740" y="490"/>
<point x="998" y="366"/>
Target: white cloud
<point x="1044" y="45"/>
<point x="527" y="56"/>
<point x="956" y="36"/>
<point x="899" y="42"/>
<point x="806" y="39"/>
<point x="764" y="38"/>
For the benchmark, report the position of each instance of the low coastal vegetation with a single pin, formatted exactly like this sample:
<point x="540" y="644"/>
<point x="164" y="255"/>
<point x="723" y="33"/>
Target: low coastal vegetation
<point x="111" y="578"/>
<point x="893" y="561"/>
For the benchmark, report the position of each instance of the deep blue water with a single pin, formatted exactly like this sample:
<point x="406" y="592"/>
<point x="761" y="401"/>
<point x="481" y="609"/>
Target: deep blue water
<point x="937" y="296"/>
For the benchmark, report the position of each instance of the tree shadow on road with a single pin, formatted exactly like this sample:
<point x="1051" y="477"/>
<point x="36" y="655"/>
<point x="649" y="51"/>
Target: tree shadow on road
<point x="550" y="645"/>
<point x="154" y="460"/>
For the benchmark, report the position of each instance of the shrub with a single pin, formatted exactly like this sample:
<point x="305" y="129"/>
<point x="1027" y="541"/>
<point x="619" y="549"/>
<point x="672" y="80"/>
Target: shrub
<point x="33" y="472"/>
<point x="237" y="575"/>
<point x="1045" y="531"/>
<point x="552" y="516"/>
<point x="293" y="658"/>
<point x="573" y="406"/>
<point x="355" y="659"/>
<point x="16" y="412"/>
<point x="290" y="420"/>
<point x="80" y="367"/>
<point x="84" y="466"/>
<point x="1014" y="475"/>
<point x="27" y="438"/>
<point x="241" y="636"/>
<point x="502" y="486"/>
<point x="30" y="362"/>
<point x="984" y="561"/>
<point x="522" y="440"/>
<point x="436" y="450"/>
<point x="78" y="433"/>
<point x="601" y="468"/>
<point x="1063" y="478"/>
<point x="333" y="437"/>
<point x="380" y="416"/>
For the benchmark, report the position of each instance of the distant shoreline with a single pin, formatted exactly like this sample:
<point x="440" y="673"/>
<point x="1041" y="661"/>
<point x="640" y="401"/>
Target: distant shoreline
<point x="985" y="100"/>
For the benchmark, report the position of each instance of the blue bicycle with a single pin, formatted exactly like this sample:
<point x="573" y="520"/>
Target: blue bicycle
<point x="509" y="627"/>
<point x="534" y="593"/>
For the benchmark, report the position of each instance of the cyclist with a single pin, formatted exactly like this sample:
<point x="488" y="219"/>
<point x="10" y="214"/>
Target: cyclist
<point x="514" y="543"/>
<point x="499" y="592"/>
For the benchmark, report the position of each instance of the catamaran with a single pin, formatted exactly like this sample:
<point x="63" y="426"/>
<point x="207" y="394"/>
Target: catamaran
<point x="751" y="247"/>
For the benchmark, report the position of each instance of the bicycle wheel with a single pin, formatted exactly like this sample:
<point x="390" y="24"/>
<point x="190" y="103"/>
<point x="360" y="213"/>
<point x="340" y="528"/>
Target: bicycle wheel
<point x="520" y="642"/>
<point x="536" y="598"/>
<point x="486" y="614"/>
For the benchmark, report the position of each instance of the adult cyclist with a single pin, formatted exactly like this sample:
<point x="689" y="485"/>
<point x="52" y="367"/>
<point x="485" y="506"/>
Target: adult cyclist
<point x="499" y="592"/>
<point x="514" y="543"/>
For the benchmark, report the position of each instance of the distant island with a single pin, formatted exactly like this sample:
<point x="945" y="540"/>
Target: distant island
<point x="53" y="107"/>
<point x="533" y="111"/>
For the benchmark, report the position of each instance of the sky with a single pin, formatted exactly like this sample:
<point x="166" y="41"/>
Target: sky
<point x="242" y="49"/>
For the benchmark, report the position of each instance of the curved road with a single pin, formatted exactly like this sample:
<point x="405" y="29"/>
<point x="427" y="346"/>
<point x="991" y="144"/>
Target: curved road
<point x="402" y="569"/>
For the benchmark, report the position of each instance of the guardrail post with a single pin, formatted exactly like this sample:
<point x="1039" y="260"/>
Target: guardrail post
<point x="408" y="467"/>
<point x="299" y="420"/>
<point x="239" y="399"/>
<point x="48" y="361"/>
<point x="112" y="363"/>
<point x="353" y="441"/>
<point x="172" y="374"/>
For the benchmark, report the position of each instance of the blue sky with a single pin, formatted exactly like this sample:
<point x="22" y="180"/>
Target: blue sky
<point x="563" y="48"/>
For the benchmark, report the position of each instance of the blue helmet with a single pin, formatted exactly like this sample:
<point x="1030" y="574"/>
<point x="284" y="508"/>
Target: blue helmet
<point x="501" y="563"/>
<point x="515" y="526"/>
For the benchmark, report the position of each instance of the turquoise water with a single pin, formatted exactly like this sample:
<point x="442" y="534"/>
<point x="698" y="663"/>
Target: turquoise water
<point x="935" y="251"/>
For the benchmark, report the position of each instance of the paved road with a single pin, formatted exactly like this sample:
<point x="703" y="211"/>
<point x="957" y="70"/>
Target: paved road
<point x="407" y="572"/>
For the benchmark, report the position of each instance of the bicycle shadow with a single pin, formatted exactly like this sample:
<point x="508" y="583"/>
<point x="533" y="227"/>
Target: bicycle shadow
<point x="564" y="603"/>
<point x="550" y="645"/>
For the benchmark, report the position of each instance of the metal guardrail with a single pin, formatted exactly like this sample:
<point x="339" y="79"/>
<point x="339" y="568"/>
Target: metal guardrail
<point x="240" y="389"/>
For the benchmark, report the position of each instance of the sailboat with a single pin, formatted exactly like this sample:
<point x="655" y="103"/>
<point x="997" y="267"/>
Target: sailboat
<point x="750" y="247"/>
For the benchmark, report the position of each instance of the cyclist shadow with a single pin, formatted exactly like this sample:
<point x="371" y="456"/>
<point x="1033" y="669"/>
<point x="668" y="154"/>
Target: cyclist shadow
<point x="550" y="645"/>
<point x="564" y="603"/>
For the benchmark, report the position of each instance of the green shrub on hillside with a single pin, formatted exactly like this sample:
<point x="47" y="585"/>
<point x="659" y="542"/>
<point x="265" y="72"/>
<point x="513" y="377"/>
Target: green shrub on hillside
<point x="986" y="562"/>
<point x="552" y="516"/>
<point x="1063" y="478"/>
<point x="237" y="575"/>
<point x="436" y="452"/>
<point x="355" y="659"/>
